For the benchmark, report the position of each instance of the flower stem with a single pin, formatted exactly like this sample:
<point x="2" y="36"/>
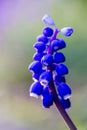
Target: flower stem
<point x="64" y="114"/>
<point x="62" y="111"/>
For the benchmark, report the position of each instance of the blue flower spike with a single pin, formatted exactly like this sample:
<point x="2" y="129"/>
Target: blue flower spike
<point x="48" y="68"/>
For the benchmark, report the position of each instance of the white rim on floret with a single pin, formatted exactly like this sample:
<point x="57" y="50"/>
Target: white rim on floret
<point x="44" y="82"/>
<point x="34" y="95"/>
<point x="67" y="96"/>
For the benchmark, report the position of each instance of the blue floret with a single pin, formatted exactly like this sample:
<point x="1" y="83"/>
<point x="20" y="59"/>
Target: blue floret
<point x="42" y="38"/>
<point x="64" y="90"/>
<point x="47" y="31"/>
<point x="36" y="89"/>
<point x="35" y="67"/>
<point x="47" y="59"/>
<point x="61" y="69"/>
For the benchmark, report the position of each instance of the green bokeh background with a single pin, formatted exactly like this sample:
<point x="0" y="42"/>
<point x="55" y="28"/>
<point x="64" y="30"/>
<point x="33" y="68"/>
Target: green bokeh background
<point x="20" y="24"/>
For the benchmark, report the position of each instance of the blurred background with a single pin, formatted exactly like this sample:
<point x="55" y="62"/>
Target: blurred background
<point x="20" y="23"/>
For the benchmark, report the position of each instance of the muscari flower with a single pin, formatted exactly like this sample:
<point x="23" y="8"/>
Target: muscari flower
<point x="48" y="68"/>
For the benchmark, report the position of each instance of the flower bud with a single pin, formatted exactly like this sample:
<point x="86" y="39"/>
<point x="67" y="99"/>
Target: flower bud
<point x="67" y="31"/>
<point x="48" y="20"/>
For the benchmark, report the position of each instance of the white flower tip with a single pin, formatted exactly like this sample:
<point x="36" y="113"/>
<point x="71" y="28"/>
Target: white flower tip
<point x="67" y="96"/>
<point x="33" y="95"/>
<point x="48" y="20"/>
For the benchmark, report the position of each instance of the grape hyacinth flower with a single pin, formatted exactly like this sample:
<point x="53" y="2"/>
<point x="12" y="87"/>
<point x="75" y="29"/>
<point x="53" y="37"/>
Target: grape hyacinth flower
<point x="48" y="69"/>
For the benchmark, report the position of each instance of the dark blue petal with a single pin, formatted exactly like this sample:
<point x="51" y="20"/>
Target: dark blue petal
<point x="35" y="67"/>
<point x="39" y="46"/>
<point x="36" y="89"/>
<point x="64" y="90"/>
<point x="65" y="103"/>
<point x="42" y="38"/>
<point x="47" y="59"/>
<point x="61" y="69"/>
<point x="47" y="31"/>
<point x="59" y="57"/>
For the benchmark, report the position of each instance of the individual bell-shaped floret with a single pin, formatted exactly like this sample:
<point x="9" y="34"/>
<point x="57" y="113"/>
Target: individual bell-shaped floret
<point x="64" y="91"/>
<point x="47" y="98"/>
<point x="45" y="78"/>
<point x="67" y="31"/>
<point x="59" y="57"/>
<point x="42" y="38"/>
<point x="65" y="103"/>
<point x="47" y="31"/>
<point x="37" y="56"/>
<point x="35" y="67"/>
<point x="59" y="79"/>
<point x="39" y="46"/>
<point x="58" y="44"/>
<point x="36" y="89"/>
<point x="47" y="59"/>
<point x="61" y="69"/>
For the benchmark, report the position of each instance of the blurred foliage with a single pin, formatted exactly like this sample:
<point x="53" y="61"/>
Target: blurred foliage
<point x="19" y="25"/>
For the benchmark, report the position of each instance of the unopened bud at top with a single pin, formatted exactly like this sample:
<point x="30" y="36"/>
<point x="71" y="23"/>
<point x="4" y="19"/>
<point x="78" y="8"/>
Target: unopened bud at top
<point x="48" y="20"/>
<point x="67" y="31"/>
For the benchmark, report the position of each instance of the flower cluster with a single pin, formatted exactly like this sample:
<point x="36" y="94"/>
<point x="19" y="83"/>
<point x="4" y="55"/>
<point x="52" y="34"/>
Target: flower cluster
<point x="48" y="70"/>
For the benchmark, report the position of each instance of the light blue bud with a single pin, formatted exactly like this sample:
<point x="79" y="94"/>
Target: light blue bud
<point x="67" y="31"/>
<point x="48" y="20"/>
